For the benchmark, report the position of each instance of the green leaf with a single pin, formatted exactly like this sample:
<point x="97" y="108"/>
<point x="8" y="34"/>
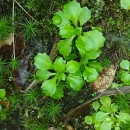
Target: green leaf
<point x="125" y="77"/>
<point x="67" y="31"/>
<point x="84" y="16"/>
<point x="105" y="109"/>
<point x="72" y="66"/>
<point x="75" y="82"/>
<point x="88" y="120"/>
<point x="123" y="117"/>
<point x="97" y="38"/>
<point x="84" y="61"/>
<point x="117" y="128"/>
<point x="59" y="19"/>
<point x="43" y="75"/>
<point x="61" y="76"/>
<point x="125" y="64"/>
<point x="72" y="11"/>
<point x="90" y="74"/>
<point x="56" y="20"/>
<point x="78" y="30"/>
<point x="49" y="86"/>
<point x="97" y="28"/>
<point x="114" y="108"/>
<point x="70" y="57"/>
<point x="96" y="105"/>
<point x="105" y="100"/>
<point x="2" y="93"/>
<point x="90" y="43"/>
<point x="64" y="46"/>
<point x="59" y="92"/>
<point x="125" y="4"/>
<point x="84" y="44"/>
<point x="59" y="65"/>
<point x="42" y="61"/>
<point x="101" y="116"/>
<point x="106" y="125"/>
<point x="96" y="65"/>
<point x="93" y="54"/>
<point x="97" y="126"/>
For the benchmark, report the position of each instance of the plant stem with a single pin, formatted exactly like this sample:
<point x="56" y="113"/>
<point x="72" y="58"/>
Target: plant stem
<point x="13" y="32"/>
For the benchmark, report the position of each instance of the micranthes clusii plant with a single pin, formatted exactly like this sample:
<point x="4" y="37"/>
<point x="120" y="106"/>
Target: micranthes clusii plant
<point x="78" y="50"/>
<point x="107" y="115"/>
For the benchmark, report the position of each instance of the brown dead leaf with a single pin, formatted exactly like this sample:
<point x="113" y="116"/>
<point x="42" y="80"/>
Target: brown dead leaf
<point x="7" y="41"/>
<point x="5" y="104"/>
<point x="105" y="79"/>
<point x="69" y="127"/>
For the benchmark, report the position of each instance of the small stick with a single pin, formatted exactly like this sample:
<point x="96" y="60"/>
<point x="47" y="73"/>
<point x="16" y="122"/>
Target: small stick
<point x="25" y="10"/>
<point x="31" y="85"/>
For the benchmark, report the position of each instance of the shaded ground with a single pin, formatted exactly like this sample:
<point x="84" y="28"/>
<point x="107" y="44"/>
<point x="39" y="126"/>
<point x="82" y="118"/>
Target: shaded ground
<point x="27" y="112"/>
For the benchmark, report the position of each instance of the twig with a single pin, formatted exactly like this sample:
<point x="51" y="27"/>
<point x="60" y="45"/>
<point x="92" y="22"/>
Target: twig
<point x="24" y="10"/>
<point x="31" y="85"/>
<point x="13" y="32"/>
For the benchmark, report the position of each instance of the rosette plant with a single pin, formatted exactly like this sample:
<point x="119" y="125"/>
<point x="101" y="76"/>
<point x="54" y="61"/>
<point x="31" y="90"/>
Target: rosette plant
<point x="78" y="51"/>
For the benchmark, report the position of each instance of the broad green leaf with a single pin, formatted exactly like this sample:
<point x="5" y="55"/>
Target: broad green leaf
<point x="90" y="43"/>
<point x="96" y="65"/>
<point x="125" y="64"/>
<point x="67" y="31"/>
<point x="49" y="86"/>
<point x="2" y="93"/>
<point x="42" y="61"/>
<point x="59" y="64"/>
<point x="105" y="109"/>
<point x="59" y="92"/>
<point x="114" y="108"/>
<point x="61" y="76"/>
<point x="75" y="82"/>
<point x="125" y="77"/>
<point x="105" y="100"/>
<point x="101" y="116"/>
<point x="43" y="74"/>
<point x="56" y="20"/>
<point x="84" y="61"/>
<point x="88" y="120"/>
<point x="72" y="66"/>
<point x="70" y="57"/>
<point x="97" y="37"/>
<point x="93" y="54"/>
<point x="72" y="11"/>
<point x="64" y="46"/>
<point x="60" y="21"/>
<point x="84" y="44"/>
<point x="120" y="72"/>
<point x="117" y="128"/>
<point x="123" y="117"/>
<point x="84" y="16"/>
<point x="125" y="4"/>
<point x="106" y="125"/>
<point x="78" y="30"/>
<point x="97" y="28"/>
<point x="96" y="105"/>
<point x="90" y="74"/>
<point x="97" y="126"/>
